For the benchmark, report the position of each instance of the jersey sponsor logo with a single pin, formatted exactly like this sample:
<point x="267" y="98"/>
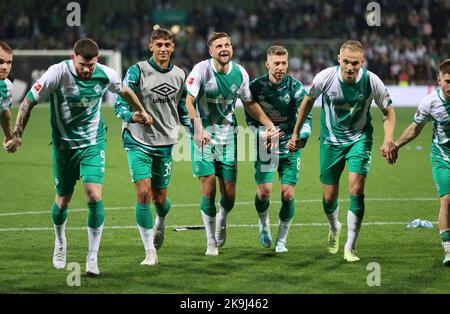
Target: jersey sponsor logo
<point x="37" y="87"/>
<point x="191" y="81"/>
<point x="84" y="103"/>
<point x="345" y="106"/>
<point x="275" y="116"/>
<point x="164" y="89"/>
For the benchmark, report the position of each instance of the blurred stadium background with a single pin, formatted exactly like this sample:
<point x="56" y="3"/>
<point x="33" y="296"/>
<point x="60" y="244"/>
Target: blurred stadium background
<point x="404" y="51"/>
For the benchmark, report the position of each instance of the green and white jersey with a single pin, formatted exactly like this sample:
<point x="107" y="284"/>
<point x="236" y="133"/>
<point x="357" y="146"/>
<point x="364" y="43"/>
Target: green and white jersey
<point x="280" y="102"/>
<point x="216" y="95"/>
<point x="5" y="94"/>
<point x="75" y="104"/>
<point x="435" y="108"/>
<point x="345" y="115"/>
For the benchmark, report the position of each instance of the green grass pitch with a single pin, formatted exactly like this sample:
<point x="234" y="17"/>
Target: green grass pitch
<point x="410" y="260"/>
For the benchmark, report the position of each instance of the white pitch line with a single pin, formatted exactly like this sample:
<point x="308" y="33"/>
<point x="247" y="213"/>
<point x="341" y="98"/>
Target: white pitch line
<point x="312" y="224"/>
<point x="415" y="199"/>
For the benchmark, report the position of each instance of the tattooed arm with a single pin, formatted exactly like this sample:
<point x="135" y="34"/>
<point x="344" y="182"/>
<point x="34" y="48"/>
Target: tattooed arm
<point x="21" y="122"/>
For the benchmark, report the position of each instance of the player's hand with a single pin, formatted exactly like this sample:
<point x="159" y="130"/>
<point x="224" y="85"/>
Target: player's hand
<point x="271" y="136"/>
<point x="142" y="118"/>
<point x="201" y="137"/>
<point x="390" y="152"/>
<point x="12" y="145"/>
<point x="293" y="143"/>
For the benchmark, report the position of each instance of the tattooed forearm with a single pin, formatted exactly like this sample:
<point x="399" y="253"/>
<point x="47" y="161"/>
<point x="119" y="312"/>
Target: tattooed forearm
<point x="23" y="117"/>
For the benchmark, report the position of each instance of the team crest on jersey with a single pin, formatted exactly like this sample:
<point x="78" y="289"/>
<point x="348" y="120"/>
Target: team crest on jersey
<point x="97" y="89"/>
<point x="286" y="98"/>
<point x="233" y="88"/>
<point x="261" y="97"/>
<point x="360" y="97"/>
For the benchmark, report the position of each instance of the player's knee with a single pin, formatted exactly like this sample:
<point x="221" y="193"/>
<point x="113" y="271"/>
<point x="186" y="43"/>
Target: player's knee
<point x="143" y="192"/>
<point x="93" y="196"/>
<point x="229" y="192"/>
<point x="287" y="194"/>
<point x="263" y="192"/>
<point x="264" y="195"/>
<point x="330" y="198"/>
<point x="159" y="201"/>
<point x="445" y="201"/>
<point x="356" y="189"/>
<point x="62" y="202"/>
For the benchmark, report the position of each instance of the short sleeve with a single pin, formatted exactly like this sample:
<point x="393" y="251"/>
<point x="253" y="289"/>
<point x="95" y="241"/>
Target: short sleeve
<point x="194" y="80"/>
<point x="380" y="93"/>
<point x="115" y="83"/>
<point x="46" y="84"/>
<point x="244" y="92"/>
<point x="318" y="83"/>
<point x="422" y="115"/>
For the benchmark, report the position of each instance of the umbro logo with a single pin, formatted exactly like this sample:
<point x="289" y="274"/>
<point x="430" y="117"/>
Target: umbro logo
<point x="164" y="89"/>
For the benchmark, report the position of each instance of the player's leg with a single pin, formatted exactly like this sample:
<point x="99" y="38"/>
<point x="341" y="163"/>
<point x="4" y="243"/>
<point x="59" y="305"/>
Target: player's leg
<point x="92" y="172"/>
<point x="359" y="160"/>
<point x="203" y="168"/>
<point x="263" y="192"/>
<point x="225" y="165"/>
<point x="208" y="211"/>
<point x="140" y="165"/>
<point x="441" y="176"/>
<point x="59" y="217"/>
<point x="332" y="163"/>
<point x="355" y="214"/>
<point x="286" y="215"/>
<point x="161" y="173"/>
<point x="264" y="173"/>
<point x="289" y="173"/>
<point x="162" y="204"/>
<point x="65" y="174"/>
<point x="226" y="204"/>
<point x="444" y="227"/>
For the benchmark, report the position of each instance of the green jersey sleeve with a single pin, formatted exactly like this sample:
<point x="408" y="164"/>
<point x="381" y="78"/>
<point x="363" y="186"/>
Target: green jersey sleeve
<point x="121" y="107"/>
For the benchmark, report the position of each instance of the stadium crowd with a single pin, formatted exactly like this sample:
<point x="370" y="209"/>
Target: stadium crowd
<point x="405" y="49"/>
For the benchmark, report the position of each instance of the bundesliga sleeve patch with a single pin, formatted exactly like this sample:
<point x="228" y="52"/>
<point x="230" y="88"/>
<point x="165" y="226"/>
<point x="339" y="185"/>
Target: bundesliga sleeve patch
<point x="191" y="81"/>
<point x="37" y="87"/>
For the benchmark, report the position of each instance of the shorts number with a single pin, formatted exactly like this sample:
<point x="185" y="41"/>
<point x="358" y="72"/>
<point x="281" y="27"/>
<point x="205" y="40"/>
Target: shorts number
<point x="168" y="169"/>
<point x="298" y="163"/>
<point x="102" y="154"/>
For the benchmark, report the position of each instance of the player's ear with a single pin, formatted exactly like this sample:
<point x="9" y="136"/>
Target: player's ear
<point x="267" y="64"/>
<point x="210" y="52"/>
<point x="339" y="58"/>
<point x="72" y="56"/>
<point x="363" y="61"/>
